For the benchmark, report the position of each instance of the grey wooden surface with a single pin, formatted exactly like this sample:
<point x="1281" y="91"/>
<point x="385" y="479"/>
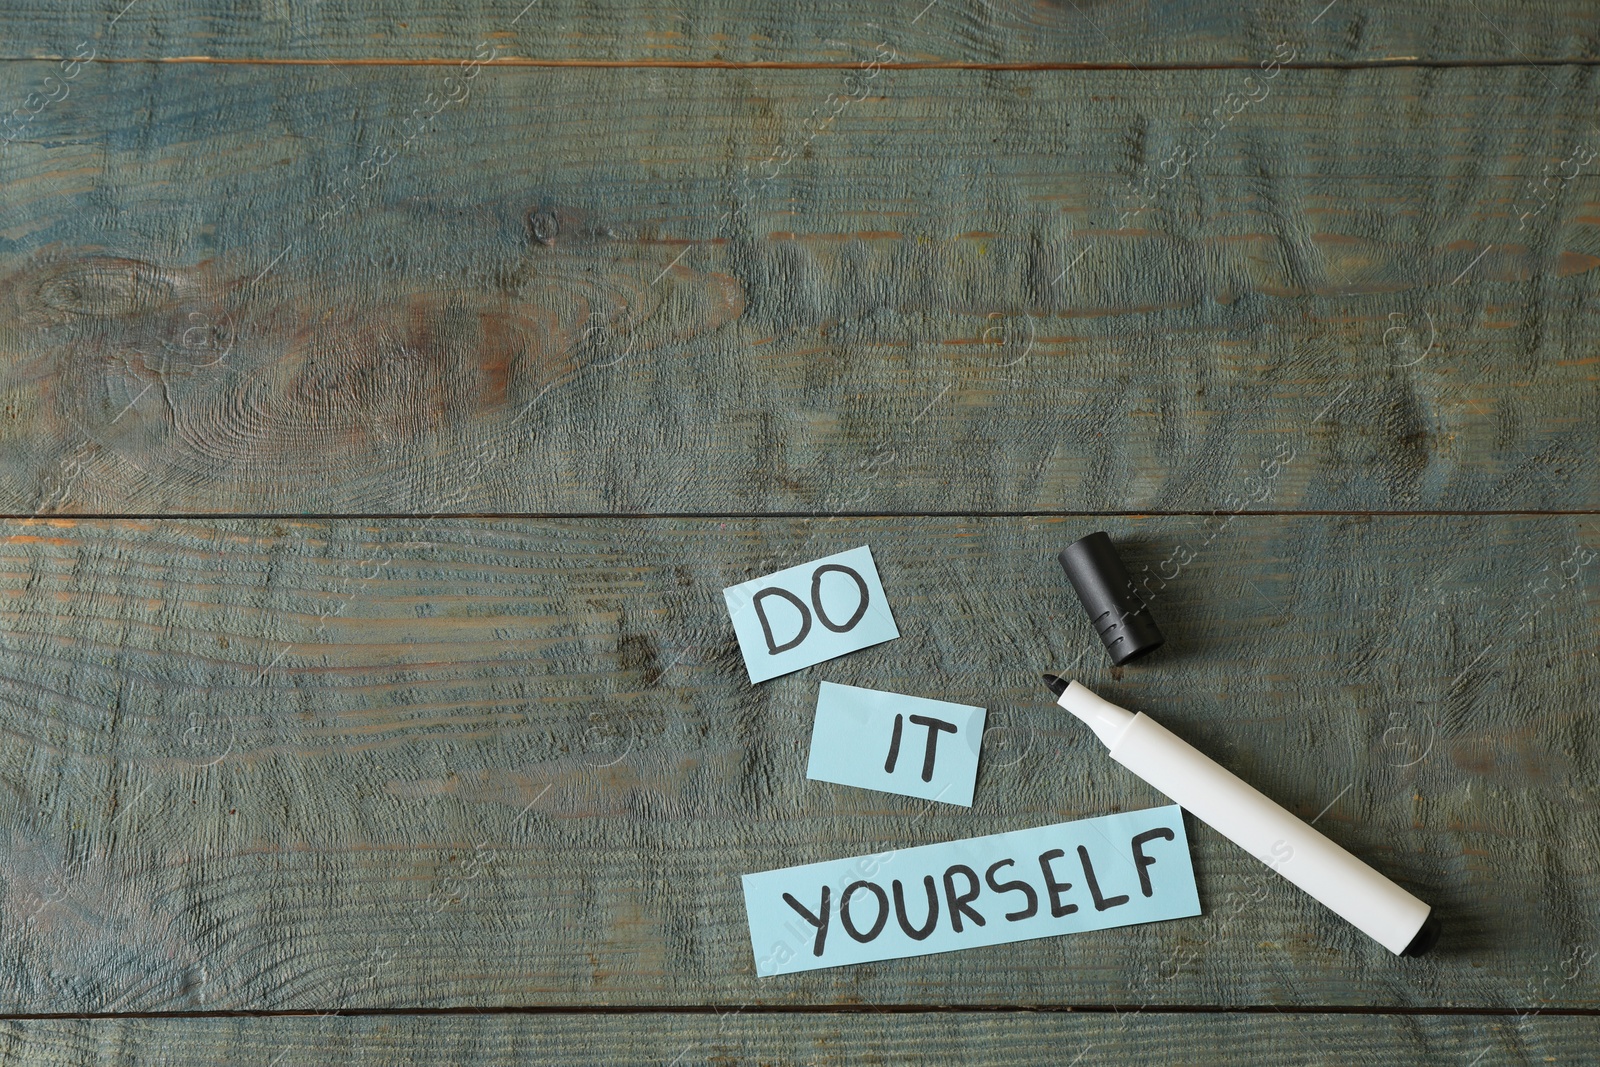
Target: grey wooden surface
<point x="388" y="391"/>
<point x="971" y="292"/>
<point x="449" y="763"/>
<point x="729" y="1037"/>
<point x="1018" y="32"/>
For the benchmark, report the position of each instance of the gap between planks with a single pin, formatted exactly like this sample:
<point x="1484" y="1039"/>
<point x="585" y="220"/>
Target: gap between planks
<point x="541" y="516"/>
<point x="817" y="1009"/>
<point x="776" y="64"/>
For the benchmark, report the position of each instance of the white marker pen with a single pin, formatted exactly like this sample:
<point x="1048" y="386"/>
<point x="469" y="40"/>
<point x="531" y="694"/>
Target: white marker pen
<point x="1376" y="906"/>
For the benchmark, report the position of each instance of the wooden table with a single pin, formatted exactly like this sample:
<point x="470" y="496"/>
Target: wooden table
<point x="391" y="389"/>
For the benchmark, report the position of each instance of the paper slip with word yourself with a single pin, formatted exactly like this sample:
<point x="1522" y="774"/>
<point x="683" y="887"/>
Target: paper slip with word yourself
<point x="1115" y="870"/>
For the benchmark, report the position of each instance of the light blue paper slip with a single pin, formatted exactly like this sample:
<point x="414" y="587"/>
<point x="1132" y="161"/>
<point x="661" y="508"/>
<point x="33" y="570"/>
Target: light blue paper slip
<point x="1093" y="874"/>
<point x="806" y="614"/>
<point x="899" y="744"/>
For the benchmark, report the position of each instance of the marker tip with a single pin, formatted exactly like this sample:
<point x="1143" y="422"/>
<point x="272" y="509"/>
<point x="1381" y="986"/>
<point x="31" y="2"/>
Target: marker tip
<point x="1057" y="684"/>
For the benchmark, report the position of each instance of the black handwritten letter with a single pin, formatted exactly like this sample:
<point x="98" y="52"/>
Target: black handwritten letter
<point x="877" y="924"/>
<point x="933" y="908"/>
<point x="766" y="627"/>
<point x="1013" y="886"/>
<point x="1053" y="887"/>
<point x="935" y="726"/>
<point x="1142" y="861"/>
<point x="821" y="924"/>
<point x="894" y="744"/>
<point x="960" y="904"/>
<point x="1100" y="903"/>
<point x="816" y="597"/>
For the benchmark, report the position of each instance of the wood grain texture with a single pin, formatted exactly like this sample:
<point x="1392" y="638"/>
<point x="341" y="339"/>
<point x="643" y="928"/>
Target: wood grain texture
<point x="1009" y="1040"/>
<point x="995" y="31"/>
<point x="264" y="292"/>
<point x="435" y="763"/>
<point x="598" y="265"/>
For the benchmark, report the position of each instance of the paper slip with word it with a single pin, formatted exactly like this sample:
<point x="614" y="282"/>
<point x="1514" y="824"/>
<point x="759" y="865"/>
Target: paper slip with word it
<point x="898" y="744"/>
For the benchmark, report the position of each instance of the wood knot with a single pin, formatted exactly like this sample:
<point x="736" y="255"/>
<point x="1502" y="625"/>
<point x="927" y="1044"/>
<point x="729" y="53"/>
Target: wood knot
<point x="105" y="286"/>
<point x="543" y="227"/>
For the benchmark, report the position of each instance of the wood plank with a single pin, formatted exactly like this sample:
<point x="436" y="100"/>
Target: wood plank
<point x="1143" y="34"/>
<point x="997" y="1039"/>
<point x="981" y="292"/>
<point x="293" y="765"/>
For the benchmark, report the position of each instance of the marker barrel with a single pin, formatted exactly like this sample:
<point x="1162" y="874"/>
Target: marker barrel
<point x="1373" y="904"/>
<point x="1218" y="798"/>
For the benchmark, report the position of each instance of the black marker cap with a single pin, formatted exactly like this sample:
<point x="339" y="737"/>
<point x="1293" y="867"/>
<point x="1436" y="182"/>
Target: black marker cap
<point x="1121" y="618"/>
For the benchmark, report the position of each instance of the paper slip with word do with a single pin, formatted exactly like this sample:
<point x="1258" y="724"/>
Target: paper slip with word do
<point x="806" y="614"/>
<point x="1092" y="874"/>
